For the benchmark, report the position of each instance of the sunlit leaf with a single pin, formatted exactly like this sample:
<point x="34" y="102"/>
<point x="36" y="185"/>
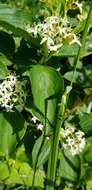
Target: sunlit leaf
<point x="12" y="130"/>
<point x="47" y="87"/>
<point x="4" y="171"/>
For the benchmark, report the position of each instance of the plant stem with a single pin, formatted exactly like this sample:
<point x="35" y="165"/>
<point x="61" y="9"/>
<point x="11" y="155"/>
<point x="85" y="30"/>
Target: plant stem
<point x="55" y="140"/>
<point x="83" y="40"/>
<point x="54" y="151"/>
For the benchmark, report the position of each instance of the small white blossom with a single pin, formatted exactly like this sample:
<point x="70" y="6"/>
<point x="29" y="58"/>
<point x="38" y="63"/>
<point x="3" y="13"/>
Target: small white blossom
<point x="54" y="31"/>
<point x="73" y="139"/>
<point x="47" y="138"/>
<point x="34" y="119"/>
<point x="79" y="5"/>
<point x="8" y="95"/>
<point x="40" y="126"/>
<point x="32" y="30"/>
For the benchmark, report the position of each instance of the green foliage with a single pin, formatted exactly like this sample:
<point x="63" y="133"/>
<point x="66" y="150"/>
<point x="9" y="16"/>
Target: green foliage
<point x="4" y="171"/>
<point x="14" y="20"/>
<point x="54" y="84"/>
<point x="70" y="168"/>
<point x="46" y="89"/>
<point x="86" y="123"/>
<point x="44" y="152"/>
<point x="11" y="132"/>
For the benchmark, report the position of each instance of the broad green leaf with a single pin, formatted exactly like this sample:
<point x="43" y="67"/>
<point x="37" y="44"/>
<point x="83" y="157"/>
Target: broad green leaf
<point x="21" y="154"/>
<point x="36" y="149"/>
<point x="88" y="155"/>
<point x="88" y="46"/>
<point x="80" y="26"/>
<point x="86" y="123"/>
<point x="70" y="167"/>
<point x="4" y="171"/>
<point x="89" y="185"/>
<point x="43" y="154"/>
<point x="88" y="152"/>
<point x="26" y="174"/>
<point x="89" y="173"/>
<point x="22" y="173"/>
<point x="3" y="70"/>
<point x="47" y="86"/>
<point x="14" y="177"/>
<point x="67" y="50"/>
<point x="12" y="130"/>
<point x="14" y="20"/>
<point x="77" y="77"/>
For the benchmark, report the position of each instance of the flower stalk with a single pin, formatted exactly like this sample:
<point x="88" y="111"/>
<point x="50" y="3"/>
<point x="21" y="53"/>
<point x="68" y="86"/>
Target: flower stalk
<point x="55" y="140"/>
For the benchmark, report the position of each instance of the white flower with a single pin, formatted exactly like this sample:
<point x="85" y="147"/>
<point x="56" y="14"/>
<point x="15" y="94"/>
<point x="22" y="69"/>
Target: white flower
<point x="11" y="79"/>
<point x="54" y="31"/>
<point x="34" y="119"/>
<point x="72" y="138"/>
<point x="79" y="5"/>
<point x="40" y="126"/>
<point x="47" y="138"/>
<point x="7" y="92"/>
<point x="32" y="30"/>
<point x="75" y="40"/>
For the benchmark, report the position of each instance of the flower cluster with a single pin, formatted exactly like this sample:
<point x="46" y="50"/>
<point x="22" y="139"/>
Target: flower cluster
<point x="39" y="125"/>
<point x="54" y="31"/>
<point x="8" y="96"/>
<point x="73" y="139"/>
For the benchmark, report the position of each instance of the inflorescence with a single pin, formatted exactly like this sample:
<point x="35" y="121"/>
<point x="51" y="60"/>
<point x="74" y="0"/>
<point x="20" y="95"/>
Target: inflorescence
<point x="54" y="31"/>
<point x="8" y="93"/>
<point x="73" y="139"/>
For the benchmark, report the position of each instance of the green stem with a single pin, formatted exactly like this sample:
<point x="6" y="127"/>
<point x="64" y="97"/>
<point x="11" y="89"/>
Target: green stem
<point x="83" y="40"/>
<point x="54" y="152"/>
<point x="55" y="140"/>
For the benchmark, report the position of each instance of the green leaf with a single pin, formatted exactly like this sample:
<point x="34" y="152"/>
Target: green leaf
<point x="3" y="70"/>
<point x="43" y="155"/>
<point x="79" y="27"/>
<point x="89" y="185"/>
<point x="86" y="123"/>
<point x="14" y="20"/>
<point x="26" y="174"/>
<point x="4" y="171"/>
<point x="88" y="173"/>
<point x="14" y="177"/>
<point x="70" y="167"/>
<point x="67" y="50"/>
<point x="22" y="173"/>
<point x="21" y="154"/>
<point x="78" y="76"/>
<point x="36" y="149"/>
<point x="88" y="152"/>
<point x="12" y="130"/>
<point x="47" y="86"/>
